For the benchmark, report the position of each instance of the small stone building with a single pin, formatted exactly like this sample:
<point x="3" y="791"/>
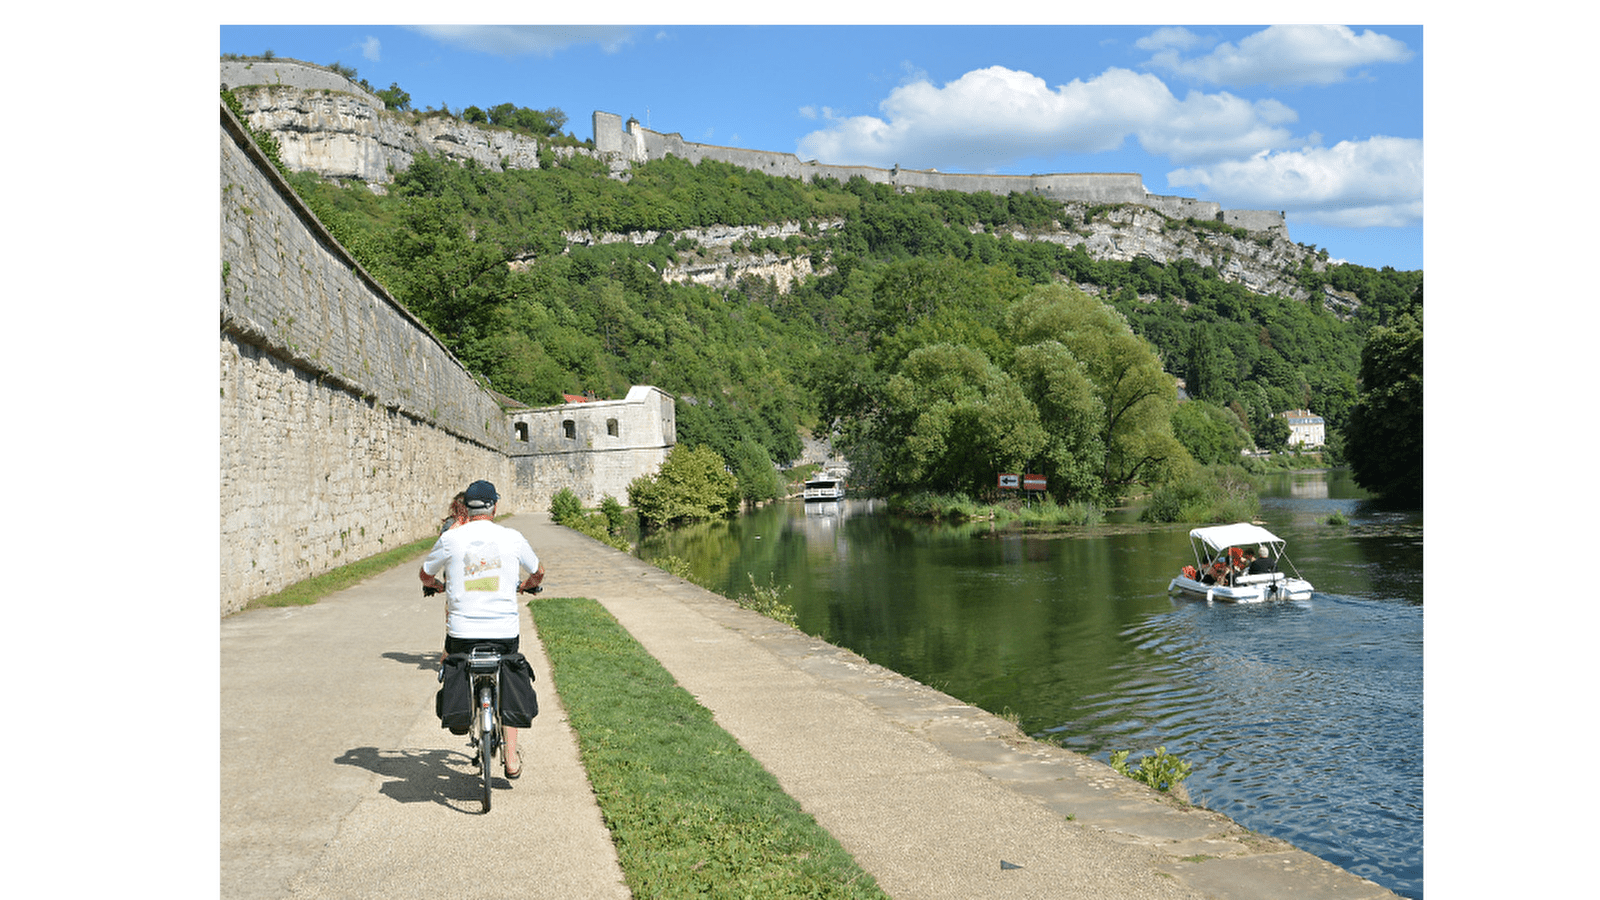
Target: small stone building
<point x="593" y="447"/>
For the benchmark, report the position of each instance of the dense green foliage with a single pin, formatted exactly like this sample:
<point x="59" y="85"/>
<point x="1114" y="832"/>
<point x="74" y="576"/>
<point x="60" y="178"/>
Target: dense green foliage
<point x="692" y="813"/>
<point x="939" y="347"/>
<point x="693" y="485"/>
<point x="1384" y="443"/>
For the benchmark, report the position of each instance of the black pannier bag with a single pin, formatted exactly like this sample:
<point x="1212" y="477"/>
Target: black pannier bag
<point x="453" y="703"/>
<point x="518" y="702"/>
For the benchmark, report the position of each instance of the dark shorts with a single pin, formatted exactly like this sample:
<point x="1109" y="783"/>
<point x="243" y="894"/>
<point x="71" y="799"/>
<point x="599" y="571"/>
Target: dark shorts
<point x="465" y="645"/>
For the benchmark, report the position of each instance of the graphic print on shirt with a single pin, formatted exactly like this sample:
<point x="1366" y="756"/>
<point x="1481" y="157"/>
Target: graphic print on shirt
<point x="481" y="557"/>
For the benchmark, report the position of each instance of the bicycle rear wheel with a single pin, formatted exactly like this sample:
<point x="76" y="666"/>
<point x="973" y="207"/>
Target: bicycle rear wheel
<point x="486" y="744"/>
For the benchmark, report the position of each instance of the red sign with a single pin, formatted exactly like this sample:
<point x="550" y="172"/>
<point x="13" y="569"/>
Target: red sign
<point x="1033" y="482"/>
<point x="1009" y="481"/>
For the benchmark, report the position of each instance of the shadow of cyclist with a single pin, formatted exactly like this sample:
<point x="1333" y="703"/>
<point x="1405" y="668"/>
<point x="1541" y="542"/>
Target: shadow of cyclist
<point x="445" y="777"/>
<point x="425" y="661"/>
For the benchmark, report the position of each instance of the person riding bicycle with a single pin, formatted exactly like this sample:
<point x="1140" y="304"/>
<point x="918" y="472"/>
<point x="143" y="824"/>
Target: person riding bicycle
<point x="481" y="563"/>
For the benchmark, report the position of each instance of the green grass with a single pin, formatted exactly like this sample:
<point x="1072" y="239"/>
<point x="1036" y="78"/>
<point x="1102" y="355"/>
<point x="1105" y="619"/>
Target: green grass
<point x="691" y="813"/>
<point x="304" y="593"/>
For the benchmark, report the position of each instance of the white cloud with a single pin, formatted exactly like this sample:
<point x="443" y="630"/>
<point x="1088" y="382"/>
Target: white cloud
<point x="523" y="40"/>
<point x="1162" y="38"/>
<point x="990" y="117"/>
<point x="1283" y="55"/>
<point x="1352" y="184"/>
<point x="371" y="48"/>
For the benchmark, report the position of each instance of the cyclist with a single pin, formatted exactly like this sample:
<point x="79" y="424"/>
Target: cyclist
<point x="481" y="563"/>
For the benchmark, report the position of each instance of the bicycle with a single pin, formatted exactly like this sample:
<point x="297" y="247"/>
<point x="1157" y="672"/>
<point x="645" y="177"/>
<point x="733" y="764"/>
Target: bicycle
<point x="486" y="734"/>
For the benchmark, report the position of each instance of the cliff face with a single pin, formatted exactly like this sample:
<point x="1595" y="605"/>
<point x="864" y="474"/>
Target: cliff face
<point x="343" y="135"/>
<point x="349" y="135"/>
<point x="1263" y="263"/>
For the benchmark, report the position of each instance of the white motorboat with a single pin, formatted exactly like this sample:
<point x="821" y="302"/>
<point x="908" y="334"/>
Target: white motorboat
<point x="1239" y="563"/>
<point x="824" y="488"/>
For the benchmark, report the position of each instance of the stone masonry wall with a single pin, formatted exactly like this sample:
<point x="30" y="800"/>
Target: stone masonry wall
<point x="640" y="144"/>
<point x="345" y="426"/>
<point x="595" y="448"/>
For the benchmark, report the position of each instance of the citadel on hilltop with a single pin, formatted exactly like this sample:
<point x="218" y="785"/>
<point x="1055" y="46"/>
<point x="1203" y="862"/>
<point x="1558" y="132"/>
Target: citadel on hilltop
<point x="329" y="124"/>
<point x="640" y="144"/>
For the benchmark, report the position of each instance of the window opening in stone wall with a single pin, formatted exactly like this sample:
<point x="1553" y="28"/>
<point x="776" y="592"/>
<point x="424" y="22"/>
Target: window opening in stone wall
<point x="522" y="431"/>
<point x="611" y="427"/>
<point x="570" y="428"/>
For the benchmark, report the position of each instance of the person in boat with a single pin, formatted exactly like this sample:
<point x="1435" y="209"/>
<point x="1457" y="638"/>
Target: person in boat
<point x="1262" y="562"/>
<point x="1243" y="562"/>
<point x="1217" y="572"/>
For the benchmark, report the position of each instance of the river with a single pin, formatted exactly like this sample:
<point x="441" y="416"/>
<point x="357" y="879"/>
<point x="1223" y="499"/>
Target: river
<point x="1303" y="720"/>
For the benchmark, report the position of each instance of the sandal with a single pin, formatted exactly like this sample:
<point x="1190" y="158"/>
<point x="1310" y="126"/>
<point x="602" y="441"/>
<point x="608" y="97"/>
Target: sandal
<point x="510" y="775"/>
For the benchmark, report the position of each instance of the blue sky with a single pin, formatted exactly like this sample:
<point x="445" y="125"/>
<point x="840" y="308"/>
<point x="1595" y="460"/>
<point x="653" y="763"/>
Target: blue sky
<point x="1322" y="122"/>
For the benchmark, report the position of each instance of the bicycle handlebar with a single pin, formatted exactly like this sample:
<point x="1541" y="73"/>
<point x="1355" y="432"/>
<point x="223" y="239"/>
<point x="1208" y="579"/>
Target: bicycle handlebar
<point x="430" y="591"/>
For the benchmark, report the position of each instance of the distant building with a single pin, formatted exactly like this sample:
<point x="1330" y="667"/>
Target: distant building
<point x="593" y="447"/>
<point x="1305" y="429"/>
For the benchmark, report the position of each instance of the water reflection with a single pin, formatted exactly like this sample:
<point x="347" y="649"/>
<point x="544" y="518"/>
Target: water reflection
<point x="1303" y="719"/>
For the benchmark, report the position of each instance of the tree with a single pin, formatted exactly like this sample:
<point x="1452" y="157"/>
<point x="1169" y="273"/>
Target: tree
<point x="394" y="98"/>
<point x="1383" y="441"/>
<point x="1211" y="433"/>
<point x="693" y="485"/>
<point x="1274" y="433"/>
<point x="1136" y="396"/>
<point x="953" y="421"/>
<point x="1069" y="411"/>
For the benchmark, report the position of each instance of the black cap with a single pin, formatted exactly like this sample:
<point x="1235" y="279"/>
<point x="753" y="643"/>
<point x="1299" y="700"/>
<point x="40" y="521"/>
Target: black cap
<point x="481" y="495"/>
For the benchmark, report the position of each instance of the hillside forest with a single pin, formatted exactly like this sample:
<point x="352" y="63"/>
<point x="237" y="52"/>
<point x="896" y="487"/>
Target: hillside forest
<point x="934" y="348"/>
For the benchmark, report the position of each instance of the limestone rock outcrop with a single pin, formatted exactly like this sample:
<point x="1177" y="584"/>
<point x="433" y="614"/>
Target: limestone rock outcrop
<point x="343" y="135"/>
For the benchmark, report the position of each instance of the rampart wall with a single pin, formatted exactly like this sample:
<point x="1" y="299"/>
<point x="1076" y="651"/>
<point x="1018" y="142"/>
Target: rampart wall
<point x="640" y="144"/>
<point x="345" y="426"/>
<point x="594" y="448"/>
<point x="293" y="73"/>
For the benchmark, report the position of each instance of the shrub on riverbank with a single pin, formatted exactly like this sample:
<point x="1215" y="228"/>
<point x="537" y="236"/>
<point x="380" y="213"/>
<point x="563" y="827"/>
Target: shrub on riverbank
<point x="608" y="526"/>
<point x="961" y="508"/>
<point x="693" y="485"/>
<point x="1210" y="494"/>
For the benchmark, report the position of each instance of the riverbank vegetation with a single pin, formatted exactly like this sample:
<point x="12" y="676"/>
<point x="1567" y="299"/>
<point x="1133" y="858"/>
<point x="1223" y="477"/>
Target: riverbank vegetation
<point x="935" y="348"/>
<point x="691" y="812"/>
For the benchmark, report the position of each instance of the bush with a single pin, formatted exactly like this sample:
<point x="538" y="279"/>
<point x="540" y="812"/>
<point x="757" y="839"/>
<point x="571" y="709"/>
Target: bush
<point x="616" y="515"/>
<point x="694" y="485"/>
<point x="1159" y="770"/>
<point x="768" y="601"/>
<point x="565" y="507"/>
<point x="1212" y="494"/>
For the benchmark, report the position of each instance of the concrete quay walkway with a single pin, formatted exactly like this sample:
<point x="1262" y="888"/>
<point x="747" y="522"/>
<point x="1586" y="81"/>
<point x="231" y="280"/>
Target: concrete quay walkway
<point x="338" y="782"/>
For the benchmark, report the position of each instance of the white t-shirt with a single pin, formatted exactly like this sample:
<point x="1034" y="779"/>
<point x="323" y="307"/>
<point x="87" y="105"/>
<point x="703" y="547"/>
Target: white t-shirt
<point x="482" y="565"/>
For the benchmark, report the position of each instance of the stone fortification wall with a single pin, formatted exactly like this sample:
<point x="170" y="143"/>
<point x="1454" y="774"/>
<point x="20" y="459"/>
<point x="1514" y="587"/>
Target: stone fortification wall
<point x="293" y="73"/>
<point x="640" y="144"/>
<point x="595" y="448"/>
<point x="345" y="426"/>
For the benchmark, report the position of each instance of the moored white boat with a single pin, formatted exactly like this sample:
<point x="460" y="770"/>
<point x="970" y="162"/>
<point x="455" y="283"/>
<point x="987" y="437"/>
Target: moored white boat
<point x="1239" y="563"/>
<point x="824" y="487"/>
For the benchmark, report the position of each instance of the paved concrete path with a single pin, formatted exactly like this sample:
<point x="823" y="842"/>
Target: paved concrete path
<point x="337" y="780"/>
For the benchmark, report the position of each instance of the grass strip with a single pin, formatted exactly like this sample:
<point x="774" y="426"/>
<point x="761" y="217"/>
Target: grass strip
<point x="692" y="814"/>
<point x="309" y="591"/>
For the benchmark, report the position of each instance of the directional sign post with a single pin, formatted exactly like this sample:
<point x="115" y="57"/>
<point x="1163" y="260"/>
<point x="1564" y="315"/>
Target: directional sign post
<point x="1010" y="482"/>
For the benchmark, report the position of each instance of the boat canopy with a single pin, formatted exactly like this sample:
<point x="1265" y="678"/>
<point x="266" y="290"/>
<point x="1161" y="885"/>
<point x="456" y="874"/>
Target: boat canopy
<point x="1239" y="534"/>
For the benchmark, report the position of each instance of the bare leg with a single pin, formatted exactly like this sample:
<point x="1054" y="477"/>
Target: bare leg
<point x="511" y="753"/>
